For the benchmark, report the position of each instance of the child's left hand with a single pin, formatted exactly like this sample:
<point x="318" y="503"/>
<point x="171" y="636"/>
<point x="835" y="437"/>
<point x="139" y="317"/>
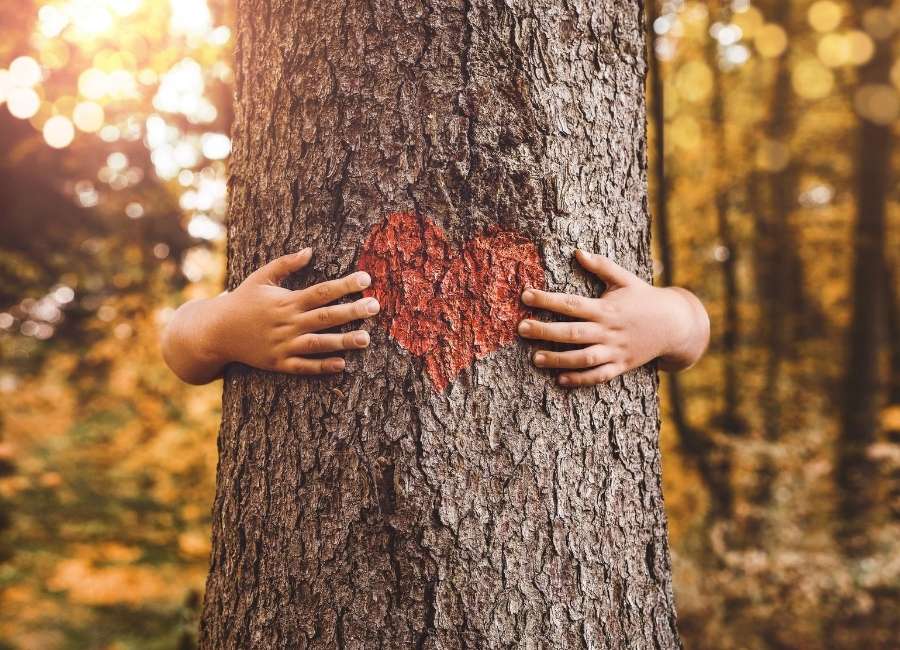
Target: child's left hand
<point x="629" y="325"/>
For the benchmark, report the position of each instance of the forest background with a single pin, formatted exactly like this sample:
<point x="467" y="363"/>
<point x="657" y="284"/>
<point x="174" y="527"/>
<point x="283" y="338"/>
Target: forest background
<point x="774" y="197"/>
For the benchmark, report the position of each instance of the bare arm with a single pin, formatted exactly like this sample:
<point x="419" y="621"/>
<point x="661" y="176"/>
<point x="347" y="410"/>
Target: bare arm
<point x="690" y="332"/>
<point x="188" y="344"/>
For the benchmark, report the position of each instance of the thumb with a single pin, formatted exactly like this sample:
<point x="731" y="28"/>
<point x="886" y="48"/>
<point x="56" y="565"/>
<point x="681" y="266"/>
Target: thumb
<point x="604" y="268"/>
<point x="281" y="267"/>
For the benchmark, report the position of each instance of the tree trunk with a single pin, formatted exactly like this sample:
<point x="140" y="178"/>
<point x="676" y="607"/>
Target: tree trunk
<point x="694" y="442"/>
<point x="780" y="275"/>
<point x="729" y="419"/>
<point x="442" y="493"/>
<point x="863" y="384"/>
<point x="892" y="430"/>
<point x="892" y="314"/>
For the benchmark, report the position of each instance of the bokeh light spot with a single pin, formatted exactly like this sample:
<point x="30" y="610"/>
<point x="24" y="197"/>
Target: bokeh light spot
<point x="134" y="210"/>
<point x="23" y="102"/>
<point x="878" y="103"/>
<point x="88" y="117"/>
<point x="685" y="132"/>
<point x="771" y="41"/>
<point x="749" y="21"/>
<point x="879" y="22"/>
<point x="825" y="15"/>
<point x="117" y="161"/>
<point x="834" y="50"/>
<point x="812" y="80"/>
<point x="52" y="21"/>
<point x="93" y="83"/>
<point x="694" y="81"/>
<point x="862" y="47"/>
<point x="25" y="71"/>
<point x="59" y="132"/>
<point x="216" y="146"/>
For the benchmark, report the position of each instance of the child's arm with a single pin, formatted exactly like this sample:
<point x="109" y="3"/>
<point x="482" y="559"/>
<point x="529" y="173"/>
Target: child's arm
<point x="266" y="326"/>
<point x="631" y="324"/>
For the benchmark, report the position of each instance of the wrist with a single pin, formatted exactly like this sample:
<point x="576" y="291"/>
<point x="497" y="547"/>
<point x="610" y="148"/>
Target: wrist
<point x="688" y="329"/>
<point x="211" y="345"/>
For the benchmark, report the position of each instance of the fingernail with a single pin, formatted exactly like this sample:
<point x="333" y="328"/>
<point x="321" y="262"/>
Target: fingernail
<point x="338" y="365"/>
<point x="524" y="327"/>
<point x="540" y="359"/>
<point x="363" y="279"/>
<point x="585" y="254"/>
<point x="361" y="339"/>
<point x="304" y="253"/>
<point x="372" y="306"/>
<point x="527" y="296"/>
<point x="563" y="380"/>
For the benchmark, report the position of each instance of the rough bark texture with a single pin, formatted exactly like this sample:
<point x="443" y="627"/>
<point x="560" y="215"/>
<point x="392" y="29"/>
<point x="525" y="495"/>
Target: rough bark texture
<point x="373" y="509"/>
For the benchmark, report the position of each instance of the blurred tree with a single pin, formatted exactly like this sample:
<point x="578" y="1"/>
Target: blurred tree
<point x="863" y="392"/>
<point x="379" y="508"/>
<point x="730" y="419"/>
<point x="695" y="444"/>
<point x="780" y="283"/>
<point x="892" y="427"/>
<point x="892" y="312"/>
<point x="110" y="453"/>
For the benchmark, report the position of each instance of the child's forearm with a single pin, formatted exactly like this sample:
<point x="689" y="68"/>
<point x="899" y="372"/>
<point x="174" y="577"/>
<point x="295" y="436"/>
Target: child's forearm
<point x="690" y="331"/>
<point x="189" y="344"/>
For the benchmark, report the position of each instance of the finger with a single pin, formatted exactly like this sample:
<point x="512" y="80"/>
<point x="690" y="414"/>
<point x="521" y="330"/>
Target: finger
<point x="561" y="332"/>
<point x="598" y="375"/>
<point x="301" y="366"/>
<point x="326" y="292"/>
<point x="589" y="357"/>
<point x="281" y="267"/>
<point x="325" y="317"/>
<point x="562" y="303"/>
<point x="604" y="268"/>
<point x="321" y="343"/>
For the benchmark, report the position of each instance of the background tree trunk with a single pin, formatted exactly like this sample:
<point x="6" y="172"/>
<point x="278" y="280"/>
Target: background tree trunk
<point x="374" y="509"/>
<point x="729" y="419"/>
<point x="780" y="274"/>
<point x="696" y="444"/>
<point x="863" y="392"/>
<point x="693" y="442"/>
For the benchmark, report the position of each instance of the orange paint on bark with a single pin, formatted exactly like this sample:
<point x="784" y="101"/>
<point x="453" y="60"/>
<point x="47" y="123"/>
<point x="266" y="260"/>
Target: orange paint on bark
<point x="449" y="306"/>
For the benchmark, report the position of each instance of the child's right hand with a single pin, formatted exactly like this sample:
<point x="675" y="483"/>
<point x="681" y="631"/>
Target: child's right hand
<point x="266" y="326"/>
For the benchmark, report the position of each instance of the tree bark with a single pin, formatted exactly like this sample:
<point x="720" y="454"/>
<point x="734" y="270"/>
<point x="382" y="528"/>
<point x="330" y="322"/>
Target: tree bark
<point x="382" y="508"/>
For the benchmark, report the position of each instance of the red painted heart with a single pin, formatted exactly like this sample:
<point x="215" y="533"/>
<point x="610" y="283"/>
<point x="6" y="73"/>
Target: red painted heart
<point x="449" y="306"/>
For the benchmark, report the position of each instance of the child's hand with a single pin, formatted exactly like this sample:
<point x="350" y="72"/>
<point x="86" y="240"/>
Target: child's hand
<point x="266" y="326"/>
<point x="631" y="324"/>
